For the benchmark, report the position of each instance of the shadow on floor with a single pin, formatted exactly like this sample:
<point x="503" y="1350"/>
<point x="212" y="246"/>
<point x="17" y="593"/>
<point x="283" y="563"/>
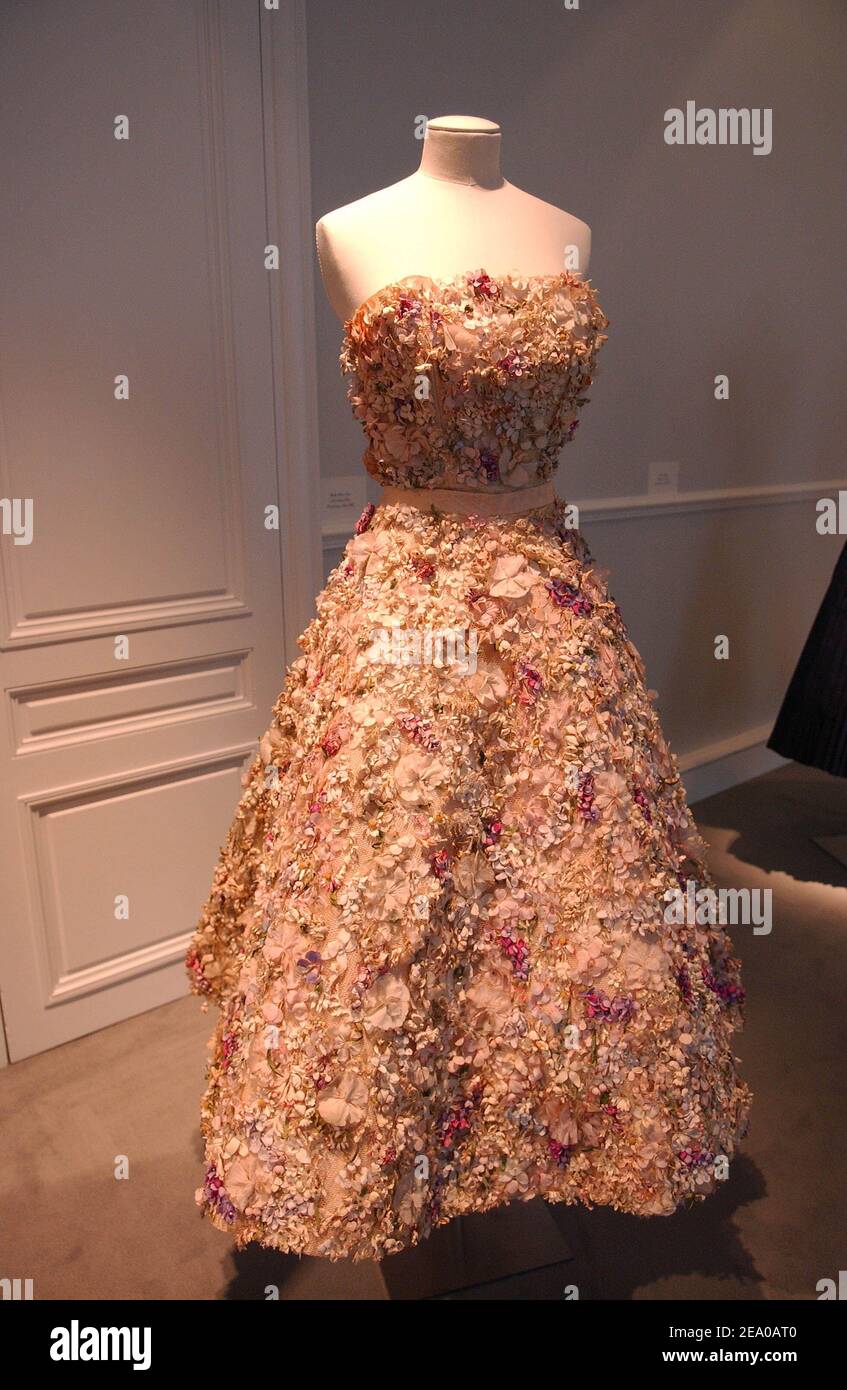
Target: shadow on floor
<point x="777" y="818"/>
<point x="532" y="1251"/>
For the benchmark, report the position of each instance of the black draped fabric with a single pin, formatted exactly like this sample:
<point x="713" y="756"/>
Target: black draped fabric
<point x="812" y="724"/>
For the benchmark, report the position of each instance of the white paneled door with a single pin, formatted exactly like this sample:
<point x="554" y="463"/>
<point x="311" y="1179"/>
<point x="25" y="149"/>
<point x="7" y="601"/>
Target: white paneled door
<point x="142" y="618"/>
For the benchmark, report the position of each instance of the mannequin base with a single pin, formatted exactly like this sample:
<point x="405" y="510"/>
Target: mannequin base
<point x="836" y="845"/>
<point x="477" y="1249"/>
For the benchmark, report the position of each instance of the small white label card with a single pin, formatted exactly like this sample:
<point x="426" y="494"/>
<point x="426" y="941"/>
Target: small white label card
<point x="344" y="499"/>
<point x="663" y="478"/>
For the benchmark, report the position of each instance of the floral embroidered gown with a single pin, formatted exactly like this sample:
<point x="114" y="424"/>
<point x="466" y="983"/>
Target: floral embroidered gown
<point x="437" y="933"/>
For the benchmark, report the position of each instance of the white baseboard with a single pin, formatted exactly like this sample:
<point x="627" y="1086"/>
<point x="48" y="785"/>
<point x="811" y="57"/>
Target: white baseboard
<point x="728" y="763"/>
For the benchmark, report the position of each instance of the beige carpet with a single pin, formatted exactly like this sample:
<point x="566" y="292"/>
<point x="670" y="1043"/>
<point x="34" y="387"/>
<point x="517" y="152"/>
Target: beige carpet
<point x="772" y="1231"/>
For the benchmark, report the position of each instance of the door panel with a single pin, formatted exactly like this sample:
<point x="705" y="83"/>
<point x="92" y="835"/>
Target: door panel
<point x="141" y="629"/>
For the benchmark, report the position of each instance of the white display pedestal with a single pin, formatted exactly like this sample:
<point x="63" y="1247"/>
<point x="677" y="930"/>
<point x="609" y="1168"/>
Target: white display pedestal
<point x="477" y="1249"/>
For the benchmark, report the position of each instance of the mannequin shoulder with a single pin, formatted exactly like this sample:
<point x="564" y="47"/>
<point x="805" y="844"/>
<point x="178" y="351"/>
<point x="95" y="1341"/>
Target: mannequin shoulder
<point x="358" y="242"/>
<point x="358" y="216"/>
<point x="548" y="212"/>
<point x="561" y="229"/>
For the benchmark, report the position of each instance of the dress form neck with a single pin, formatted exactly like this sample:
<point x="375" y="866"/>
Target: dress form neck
<point x="464" y="150"/>
<point x="454" y="213"/>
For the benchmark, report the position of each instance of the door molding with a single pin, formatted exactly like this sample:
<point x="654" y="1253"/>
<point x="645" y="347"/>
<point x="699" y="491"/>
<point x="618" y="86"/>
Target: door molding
<point x="60" y="983"/>
<point x="20" y="628"/>
<point x="289" y="221"/>
<point x="121" y="769"/>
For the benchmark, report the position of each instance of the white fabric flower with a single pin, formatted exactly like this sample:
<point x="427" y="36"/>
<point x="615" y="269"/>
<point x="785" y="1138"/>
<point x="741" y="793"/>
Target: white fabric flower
<point x="386" y="1003"/>
<point x="344" y="1104"/>
<point x="513" y="578"/>
<point x="490" y="686"/>
<point x="417" y="775"/>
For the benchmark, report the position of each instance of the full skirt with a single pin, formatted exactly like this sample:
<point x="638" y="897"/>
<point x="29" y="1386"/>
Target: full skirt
<point x="438" y="934"/>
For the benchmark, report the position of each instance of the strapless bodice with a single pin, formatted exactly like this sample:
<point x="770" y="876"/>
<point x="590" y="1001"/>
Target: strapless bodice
<point x="472" y="382"/>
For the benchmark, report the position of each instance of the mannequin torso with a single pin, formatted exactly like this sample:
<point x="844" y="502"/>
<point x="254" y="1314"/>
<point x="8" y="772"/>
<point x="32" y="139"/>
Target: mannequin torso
<point x="455" y="213"/>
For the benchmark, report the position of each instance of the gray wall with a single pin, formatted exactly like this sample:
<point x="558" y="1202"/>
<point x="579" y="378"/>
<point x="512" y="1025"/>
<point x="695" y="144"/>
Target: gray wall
<point x="707" y="260"/>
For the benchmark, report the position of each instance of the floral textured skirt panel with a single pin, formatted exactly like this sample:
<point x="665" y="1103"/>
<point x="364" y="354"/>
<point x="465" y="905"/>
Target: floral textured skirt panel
<point x="437" y="934"/>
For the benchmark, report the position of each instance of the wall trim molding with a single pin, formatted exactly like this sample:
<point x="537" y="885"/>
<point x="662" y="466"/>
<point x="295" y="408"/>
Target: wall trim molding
<point x="672" y="504"/>
<point x="706" y="500"/>
<point x="728" y="762"/>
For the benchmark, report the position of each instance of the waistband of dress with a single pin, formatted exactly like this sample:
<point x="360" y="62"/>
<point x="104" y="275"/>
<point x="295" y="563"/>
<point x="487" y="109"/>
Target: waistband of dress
<point x="515" y="502"/>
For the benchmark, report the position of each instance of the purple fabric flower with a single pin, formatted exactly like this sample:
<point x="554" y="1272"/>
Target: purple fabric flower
<point x="560" y="1153"/>
<point x="490" y="465"/>
<point x="564" y="595"/>
<point x="683" y="979"/>
<point x="229" y="1043"/>
<point x="198" y="978"/>
<point x="407" y="306"/>
<point x="726" y="989"/>
<point x="513" y="363"/>
<point x="516" y="949"/>
<point x="365" y="519"/>
<point x="491" y="832"/>
<point x="441" y="864"/>
<point x="310" y="966"/>
<point x="482" y="285"/>
<point x="531" y="682"/>
<point x="585" y="797"/>
<point x="695" y="1157"/>
<point x="622" y="1009"/>
<point x="600" y="1008"/>
<point x="215" y="1197"/>
<point x="641" y="802"/>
